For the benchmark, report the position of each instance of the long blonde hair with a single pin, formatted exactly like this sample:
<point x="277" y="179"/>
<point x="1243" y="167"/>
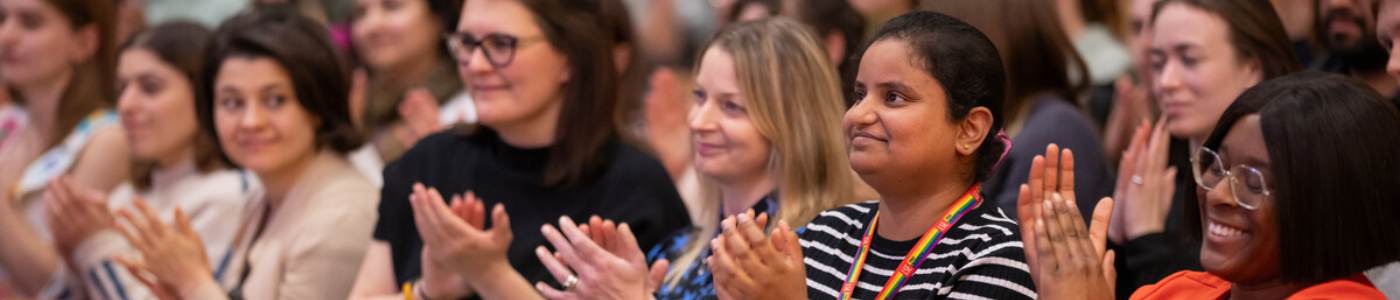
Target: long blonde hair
<point x="794" y="100"/>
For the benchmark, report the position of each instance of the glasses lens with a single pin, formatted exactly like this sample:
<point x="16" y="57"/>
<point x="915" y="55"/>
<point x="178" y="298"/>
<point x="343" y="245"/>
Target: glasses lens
<point x="1208" y="169"/>
<point x="460" y="44"/>
<point x="500" y="48"/>
<point x="1249" y="186"/>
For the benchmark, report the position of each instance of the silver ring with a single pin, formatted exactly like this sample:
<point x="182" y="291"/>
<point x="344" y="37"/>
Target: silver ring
<point x="570" y="282"/>
<point x="1137" y="180"/>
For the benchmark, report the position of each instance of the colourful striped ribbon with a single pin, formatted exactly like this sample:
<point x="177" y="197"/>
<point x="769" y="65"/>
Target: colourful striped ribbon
<point x="969" y="200"/>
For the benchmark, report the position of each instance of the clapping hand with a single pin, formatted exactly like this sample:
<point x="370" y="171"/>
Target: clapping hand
<point x="748" y="264"/>
<point x="1067" y="260"/>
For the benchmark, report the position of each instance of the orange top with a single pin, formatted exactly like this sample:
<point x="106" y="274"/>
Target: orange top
<point x="1201" y="285"/>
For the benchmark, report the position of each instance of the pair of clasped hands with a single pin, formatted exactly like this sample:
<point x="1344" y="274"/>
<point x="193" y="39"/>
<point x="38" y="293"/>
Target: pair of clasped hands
<point x="597" y="260"/>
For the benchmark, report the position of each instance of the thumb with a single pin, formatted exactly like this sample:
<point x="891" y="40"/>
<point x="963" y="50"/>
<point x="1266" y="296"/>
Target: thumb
<point x="500" y="227"/>
<point x="1110" y="273"/>
<point x="1098" y="226"/>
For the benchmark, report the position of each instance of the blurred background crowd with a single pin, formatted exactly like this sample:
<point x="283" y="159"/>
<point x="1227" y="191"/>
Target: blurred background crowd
<point x="331" y="149"/>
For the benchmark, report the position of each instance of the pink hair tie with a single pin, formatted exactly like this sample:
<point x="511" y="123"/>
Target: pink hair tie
<point x="1001" y="135"/>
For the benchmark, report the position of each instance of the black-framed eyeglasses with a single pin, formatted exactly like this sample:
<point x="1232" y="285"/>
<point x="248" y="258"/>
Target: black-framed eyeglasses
<point x="1247" y="183"/>
<point x="499" y="47"/>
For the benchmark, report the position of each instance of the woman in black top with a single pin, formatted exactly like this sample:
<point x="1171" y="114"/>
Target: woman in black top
<point x="542" y="77"/>
<point x="923" y="134"/>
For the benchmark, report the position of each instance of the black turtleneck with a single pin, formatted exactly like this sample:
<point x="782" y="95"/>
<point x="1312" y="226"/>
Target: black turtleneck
<point x="630" y="187"/>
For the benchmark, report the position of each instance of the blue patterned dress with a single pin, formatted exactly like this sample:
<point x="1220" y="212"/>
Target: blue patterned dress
<point x="696" y="283"/>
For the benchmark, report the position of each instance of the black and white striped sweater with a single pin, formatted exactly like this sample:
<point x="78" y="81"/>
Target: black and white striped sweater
<point x="981" y="258"/>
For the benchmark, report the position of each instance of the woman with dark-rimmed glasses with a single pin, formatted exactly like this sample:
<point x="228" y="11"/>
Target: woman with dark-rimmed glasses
<point x="547" y="145"/>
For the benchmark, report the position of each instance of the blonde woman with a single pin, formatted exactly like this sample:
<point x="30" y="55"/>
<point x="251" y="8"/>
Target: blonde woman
<point x="766" y="135"/>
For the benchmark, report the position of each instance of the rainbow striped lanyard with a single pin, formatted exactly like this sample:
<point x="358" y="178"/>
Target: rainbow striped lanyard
<point x="969" y="200"/>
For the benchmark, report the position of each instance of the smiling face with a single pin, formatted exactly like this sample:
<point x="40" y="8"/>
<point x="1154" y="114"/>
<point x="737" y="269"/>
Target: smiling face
<point x="260" y="122"/>
<point x="156" y="104"/>
<point x="900" y="125"/>
<point x="1197" y="71"/>
<point x="1240" y="245"/>
<point x="727" y="144"/>
<point x="391" y="34"/>
<point x="528" y="90"/>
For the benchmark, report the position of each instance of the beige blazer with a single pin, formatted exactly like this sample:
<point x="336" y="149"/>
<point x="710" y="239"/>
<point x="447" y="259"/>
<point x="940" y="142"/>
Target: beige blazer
<point x="312" y="245"/>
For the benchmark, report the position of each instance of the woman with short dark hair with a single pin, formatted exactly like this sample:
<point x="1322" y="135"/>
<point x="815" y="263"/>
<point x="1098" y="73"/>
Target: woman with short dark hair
<point x="1295" y="198"/>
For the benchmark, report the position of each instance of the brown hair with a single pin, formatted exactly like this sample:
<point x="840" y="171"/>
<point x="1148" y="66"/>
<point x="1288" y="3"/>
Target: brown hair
<point x="1037" y="55"/>
<point x="588" y="115"/>
<point x="837" y="16"/>
<point x="179" y="44"/>
<point x="617" y="25"/>
<point x="1255" y="32"/>
<point x="93" y="85"/>
<point x="1106" y="12"/>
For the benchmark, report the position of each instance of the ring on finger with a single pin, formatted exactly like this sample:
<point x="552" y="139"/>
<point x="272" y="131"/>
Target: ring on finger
<point x="570" y="282"/>
<point x="1137" y="180"/>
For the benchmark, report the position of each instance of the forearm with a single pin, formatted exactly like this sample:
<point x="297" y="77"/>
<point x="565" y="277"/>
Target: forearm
<point x="30" y="261"/>
<point x="502" y="281"/>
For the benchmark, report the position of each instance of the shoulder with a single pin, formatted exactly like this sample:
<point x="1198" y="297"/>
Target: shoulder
<point x="221" y="189"/>
<point x="1053" y="116"/>
<point x="839" y="222"/>
<point x="436" y="145"/>
<point x="989" y="237"/>
<point x="108" y="145"/>
<point x="636" y="176"/>
<point x="627" y="160"/>
<point x="1185" y="285"/>
<point x="341" y="186"/>
<point x="344" y="205"/>
<point x="989" y="219"/>
<point x="1355" y="287"/>
<point x="104" y="160"/>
